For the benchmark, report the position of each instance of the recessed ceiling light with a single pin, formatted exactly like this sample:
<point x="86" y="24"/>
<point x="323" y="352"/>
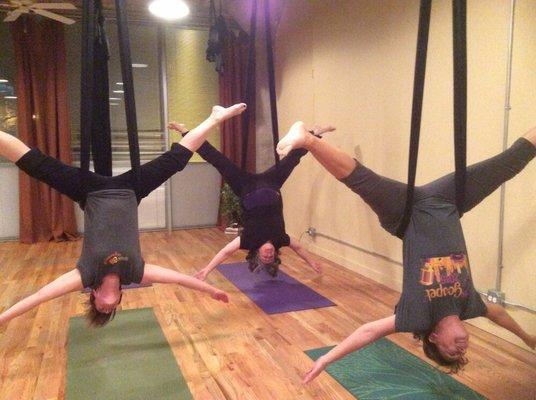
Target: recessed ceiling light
<point x="115" y="98"/>
<point x="139" y="65"/>
<point x="118" y="83"/>
<point x="119" y="91"/>
<point x="10" y="97"/>
<point x="4" y="81"/>
<point x="169" y="9"/>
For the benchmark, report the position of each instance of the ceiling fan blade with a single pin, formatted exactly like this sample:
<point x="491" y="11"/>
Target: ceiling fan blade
<point x="12" y="16"/>
<point x="53" y="6"/>
<point x="55" y="17"/>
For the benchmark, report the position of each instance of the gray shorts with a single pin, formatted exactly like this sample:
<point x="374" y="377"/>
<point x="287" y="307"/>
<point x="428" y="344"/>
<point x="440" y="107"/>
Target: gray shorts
<point x="387" y="197"/>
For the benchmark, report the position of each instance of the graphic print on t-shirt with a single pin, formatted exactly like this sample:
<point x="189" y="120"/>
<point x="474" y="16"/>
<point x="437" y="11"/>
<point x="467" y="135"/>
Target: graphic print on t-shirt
<point x="445" y="276"/>
<point x="114" y="258"/>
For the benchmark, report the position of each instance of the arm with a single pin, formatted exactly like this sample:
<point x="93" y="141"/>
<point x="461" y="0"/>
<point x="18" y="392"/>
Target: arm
<point x="305" y="255"/>
<point x="222" y="255"/>
<point x="66" y="283"/>
<point x="156" y="274"/>
<point x="363" y="336"/>
<point x="500" y="316"/>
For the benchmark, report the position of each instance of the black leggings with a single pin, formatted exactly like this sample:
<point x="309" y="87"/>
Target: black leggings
<point x="242" y="182"/>
<point x="68" y="180"/>
<point x="387" y="197"/>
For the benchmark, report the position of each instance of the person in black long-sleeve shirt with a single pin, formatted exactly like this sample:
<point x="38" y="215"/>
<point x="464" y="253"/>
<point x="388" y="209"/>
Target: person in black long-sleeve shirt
<point x="260" y="198"/>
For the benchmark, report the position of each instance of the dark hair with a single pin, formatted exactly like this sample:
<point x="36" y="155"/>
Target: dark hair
<point x="94" y="317"/>
<point x="432" y="352"/>
<point x="254" y="262"/>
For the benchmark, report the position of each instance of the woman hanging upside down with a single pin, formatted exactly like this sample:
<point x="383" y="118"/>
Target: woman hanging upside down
<point x="437" y="292"/>
<point x="260" y="198"/>
<point x="111" y="254"/>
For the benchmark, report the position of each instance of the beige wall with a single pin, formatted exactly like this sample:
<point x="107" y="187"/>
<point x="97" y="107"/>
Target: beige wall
<point x="192" y="81"/>
<point x="350" y="63"/>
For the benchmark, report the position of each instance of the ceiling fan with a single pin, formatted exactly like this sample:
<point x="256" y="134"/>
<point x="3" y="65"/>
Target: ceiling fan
<point x="27" y="6"/>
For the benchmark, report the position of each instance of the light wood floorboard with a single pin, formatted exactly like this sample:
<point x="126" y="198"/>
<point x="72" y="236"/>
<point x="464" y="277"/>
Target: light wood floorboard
<point x="230" y="351"/>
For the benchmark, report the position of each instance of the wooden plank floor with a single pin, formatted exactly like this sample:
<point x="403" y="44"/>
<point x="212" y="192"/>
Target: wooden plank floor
<point x="230" y="351"/>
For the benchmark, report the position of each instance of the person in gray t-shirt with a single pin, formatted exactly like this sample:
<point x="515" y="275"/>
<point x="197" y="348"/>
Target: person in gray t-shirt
<point x="111" y="254"/>
<point x="438" y="291"/>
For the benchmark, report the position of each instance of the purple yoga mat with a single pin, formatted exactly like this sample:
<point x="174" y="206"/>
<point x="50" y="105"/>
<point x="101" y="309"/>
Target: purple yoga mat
<point x="123" y="287"/>
<point x="273" y="295"/>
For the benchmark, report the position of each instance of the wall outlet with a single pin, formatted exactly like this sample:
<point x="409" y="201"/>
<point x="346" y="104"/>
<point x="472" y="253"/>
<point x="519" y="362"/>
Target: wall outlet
<point x="496" y="297"/>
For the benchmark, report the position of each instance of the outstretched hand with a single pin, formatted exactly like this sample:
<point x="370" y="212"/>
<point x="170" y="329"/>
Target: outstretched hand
<point x="181" y="128"/>
<point x="317" y="267"/>
<point x="320" y="130"/>
<point x="315" y="370"/>
<point x="531" y="342"/>
<point x="201" y="274"/>
<point x="220" y="295"/>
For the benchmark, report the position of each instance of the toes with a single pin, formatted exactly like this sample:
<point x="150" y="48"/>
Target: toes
<point x="239" y="107"/>
<point x="283" y="150"/>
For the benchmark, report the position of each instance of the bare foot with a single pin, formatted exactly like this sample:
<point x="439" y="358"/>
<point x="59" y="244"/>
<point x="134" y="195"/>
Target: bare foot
<point x="181" y="128"/>
<point x="320" y="130"/>
<point x="296" y="138"/>
<point x="531" y="136"/>
<point x="221" y="114"/>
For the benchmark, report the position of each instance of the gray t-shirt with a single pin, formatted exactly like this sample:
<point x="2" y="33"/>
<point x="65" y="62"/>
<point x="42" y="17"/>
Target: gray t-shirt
<point x="111" y="228"/>
<point x="437" y="279"/>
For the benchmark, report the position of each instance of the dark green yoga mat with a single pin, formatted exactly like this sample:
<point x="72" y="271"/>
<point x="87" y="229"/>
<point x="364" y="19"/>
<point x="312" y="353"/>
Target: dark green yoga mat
<point x="384" y="371"/>
<point x="129" y="359"/>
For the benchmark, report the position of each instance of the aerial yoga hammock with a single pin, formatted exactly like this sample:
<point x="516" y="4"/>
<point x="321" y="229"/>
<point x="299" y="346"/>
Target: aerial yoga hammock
<point x="260" y="197"/>
<point x="111" y="254"/>
<point x="438" y="291"/>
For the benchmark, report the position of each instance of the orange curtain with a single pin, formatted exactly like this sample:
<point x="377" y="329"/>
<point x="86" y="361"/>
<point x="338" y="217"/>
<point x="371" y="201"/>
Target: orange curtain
<point x="232" y="82"/>
<point x="43" y="122"/>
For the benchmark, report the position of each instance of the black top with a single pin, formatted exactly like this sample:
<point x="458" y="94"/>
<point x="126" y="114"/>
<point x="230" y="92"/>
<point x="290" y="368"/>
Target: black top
<point x="437" y="278"/>
<point x="111" y="240"/>
<point x="263" y="219"/>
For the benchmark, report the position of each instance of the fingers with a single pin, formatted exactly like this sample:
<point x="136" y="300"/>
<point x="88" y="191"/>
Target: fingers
<point x="309" y="376"/>
<point x="177" y="127"/>
<point x="321" y="130"/>
<point x="201" y="275"/>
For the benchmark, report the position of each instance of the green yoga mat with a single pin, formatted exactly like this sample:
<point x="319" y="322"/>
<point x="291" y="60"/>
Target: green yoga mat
<point x="128" y="359"/>
<point x="384" y="371"/>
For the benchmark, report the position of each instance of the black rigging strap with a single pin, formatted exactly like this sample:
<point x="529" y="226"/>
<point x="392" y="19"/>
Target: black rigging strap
<point x="460" y="103"/>
<point x="271" y="77"/>
<point x="250" y="81"/>
<point x="459" y="20"/>
<point x="128" y="87"/>
<point x="250" y="84"/>
<point x="95" y="129"/>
